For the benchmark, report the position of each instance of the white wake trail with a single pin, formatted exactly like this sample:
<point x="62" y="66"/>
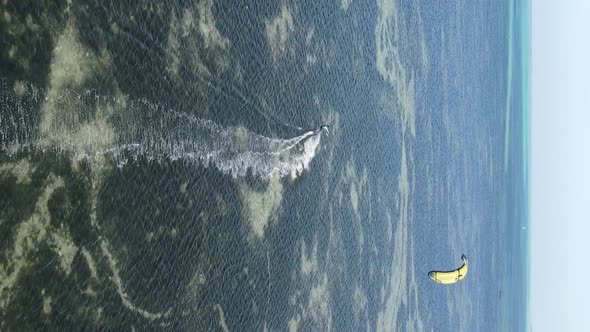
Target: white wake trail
<point x="90" y="126"/>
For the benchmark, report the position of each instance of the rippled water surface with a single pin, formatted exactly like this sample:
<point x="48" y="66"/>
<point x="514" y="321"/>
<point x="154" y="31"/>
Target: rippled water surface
<point x="162" y="166"/>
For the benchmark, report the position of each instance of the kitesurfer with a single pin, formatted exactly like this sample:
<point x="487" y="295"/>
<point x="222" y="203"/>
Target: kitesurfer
<point x="324" y="127"/>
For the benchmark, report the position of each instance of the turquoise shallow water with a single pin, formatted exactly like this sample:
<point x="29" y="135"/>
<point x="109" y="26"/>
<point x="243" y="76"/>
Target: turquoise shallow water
<point x="526" y="151"/>
<point x="519" y="170"/>
<point x="161" y="168"/>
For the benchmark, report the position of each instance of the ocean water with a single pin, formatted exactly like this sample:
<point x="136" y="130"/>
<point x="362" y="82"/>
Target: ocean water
<point x="161" y="166"/>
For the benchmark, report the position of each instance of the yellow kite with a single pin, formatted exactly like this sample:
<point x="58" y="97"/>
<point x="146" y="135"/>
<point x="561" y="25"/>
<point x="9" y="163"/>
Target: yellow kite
<point x="450" y="277"/>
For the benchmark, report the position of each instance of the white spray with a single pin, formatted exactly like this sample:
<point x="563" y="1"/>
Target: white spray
<point x="90" y="126"/>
